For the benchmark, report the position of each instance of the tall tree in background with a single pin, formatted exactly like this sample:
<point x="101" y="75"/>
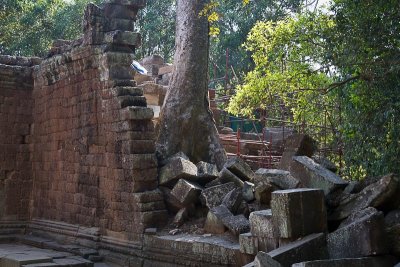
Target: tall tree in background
<point x="348" y="57"/>
<point x="186" y="123"/>
<point x="156" y="24"/>
<point x="234" y="24"/>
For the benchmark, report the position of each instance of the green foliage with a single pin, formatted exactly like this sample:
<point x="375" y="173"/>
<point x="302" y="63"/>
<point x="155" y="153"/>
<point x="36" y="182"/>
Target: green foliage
<point x="29" y="27"/>
<point x="347" y="59"/>
<point x="235" y="21"/>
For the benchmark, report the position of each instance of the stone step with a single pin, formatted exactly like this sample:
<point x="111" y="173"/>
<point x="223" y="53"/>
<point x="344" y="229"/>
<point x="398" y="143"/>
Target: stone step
<point x="137" y="113"/>
<point x="132" y="101"/>
<point x="128" y="91"/>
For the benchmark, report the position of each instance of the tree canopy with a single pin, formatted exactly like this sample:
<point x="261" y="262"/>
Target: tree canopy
<point x="348" y="58"/>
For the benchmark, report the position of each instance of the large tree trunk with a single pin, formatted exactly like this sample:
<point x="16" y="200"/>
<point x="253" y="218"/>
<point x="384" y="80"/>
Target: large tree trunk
<point x="186" y="122"/>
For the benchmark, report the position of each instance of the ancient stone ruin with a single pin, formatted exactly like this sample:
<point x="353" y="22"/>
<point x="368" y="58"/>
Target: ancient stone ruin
<point x="80" y="184"/>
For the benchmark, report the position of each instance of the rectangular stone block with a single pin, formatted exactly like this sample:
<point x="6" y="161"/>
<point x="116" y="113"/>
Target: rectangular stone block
<point x="236" y="224"/>
<point x="261" y="224"/>
<point x="313" y="175"/>
<point x="299" y="212"/>
<point x="177" y="168"/>
<point x="186" y="192"/>
<point x="240" y="168"/>
<point x="364" y="237"/>
<point x="137" y="113"/>
<point x="312" y="247"/>
<point x="248" y="243"/>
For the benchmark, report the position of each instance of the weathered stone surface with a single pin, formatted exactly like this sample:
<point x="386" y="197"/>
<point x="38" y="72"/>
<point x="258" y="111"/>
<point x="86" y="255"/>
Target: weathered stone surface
<point x="326" y="163"/>
<point x="214" y="222"/>
<point x="364" y="237"/>
<point x="267" y="244"/>
<point x="350" y="262"/>
<point x="177" y="168"/>
<point x="248" y="191"/>
<point x="263" y="259"/>
<point x="232" y="200"/>
<point x="206" y="172"/>
<point x="73" y="261"/>
<point x="137" y="113"/>
<point x="236" y="224"/>
<point x="354" y="217"/>
<point x="279" y="178"/>
<point x="375" y="195"/>
<point x="297" y="145"/>
<point x="213" y="196"/>
<point x="186" y="192"/>
<point x="312" y="247"/>
<point x="18" y="259"/>
<point x="299" y="212"/>
<point x="263" y="193"/>
<point x="226" y="176"/>
<point x="248" y="243"/>
<point x="240" y="168"/>
<point x="313" y="175"/>
<point x="261" y="224"/>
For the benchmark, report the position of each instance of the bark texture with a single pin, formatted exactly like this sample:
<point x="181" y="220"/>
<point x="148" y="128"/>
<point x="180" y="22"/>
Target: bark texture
<point x="186" y="122"/>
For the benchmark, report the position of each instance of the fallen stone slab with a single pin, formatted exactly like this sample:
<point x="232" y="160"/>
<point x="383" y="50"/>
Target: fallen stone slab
<point x="364" y="237"/>
<point x="240" y="168"/>
<point x="297" y="145"/>
<point x="279" y="178"/>
<point x="248" y="243"/>
<point x="186" y="192"/>
<point x="376" y="195"/>
<point x="233" y="199"/>
<point x="263" y="260"/>
<point x="213" y="196"/>
<point x="350" y="262"/>
<point x="213" y="224"/>
<point x="313" y="175"/>
<point x="299" y="212"/>
<point x="206" y="172"/>
<point x="261" y="224"/>
<point x="226" y="176"/>
<point x="326" y="163"/>
<point x="217" y="218"/>
<point x="311" y="247"/>
<point x="177" y="168"/>
<point x="357" y="215"/>
<point x="221" y="215"/>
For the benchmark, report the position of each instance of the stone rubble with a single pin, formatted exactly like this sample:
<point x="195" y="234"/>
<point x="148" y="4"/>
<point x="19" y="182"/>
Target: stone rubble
<point x="282" y="215"/>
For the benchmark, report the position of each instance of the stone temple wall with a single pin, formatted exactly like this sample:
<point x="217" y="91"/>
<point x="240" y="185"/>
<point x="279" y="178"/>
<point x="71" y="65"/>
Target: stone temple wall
<point x="16" y="104"/>
<point x="77" y="136"/>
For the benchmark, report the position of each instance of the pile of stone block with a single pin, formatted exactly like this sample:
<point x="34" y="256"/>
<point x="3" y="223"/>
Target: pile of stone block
<point x="321" y="220"/>
<point x="302" y="215"/>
